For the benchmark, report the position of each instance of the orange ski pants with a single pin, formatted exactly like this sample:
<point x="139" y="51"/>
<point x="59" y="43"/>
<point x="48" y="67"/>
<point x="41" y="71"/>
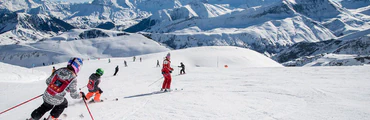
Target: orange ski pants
<point x="97" y="95"/>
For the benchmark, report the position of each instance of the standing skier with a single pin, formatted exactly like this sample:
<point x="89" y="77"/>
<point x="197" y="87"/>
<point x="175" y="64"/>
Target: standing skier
<point x="53" y="70"/>
<point x="182" y="66"/>
<point x="166" y="72"/>
<point x="93" y="87"/>
<point x="158" y="64"/>
<point x="116" y="70"/>
<point x="125" y="63"/>
<point x="61" y="81"/>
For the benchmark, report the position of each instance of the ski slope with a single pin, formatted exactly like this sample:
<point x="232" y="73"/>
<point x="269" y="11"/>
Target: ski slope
<point x="247" y="89"/>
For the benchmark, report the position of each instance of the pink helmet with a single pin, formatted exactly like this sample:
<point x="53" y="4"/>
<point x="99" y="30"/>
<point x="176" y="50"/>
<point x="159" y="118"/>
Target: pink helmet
<point x="168" y="56"/>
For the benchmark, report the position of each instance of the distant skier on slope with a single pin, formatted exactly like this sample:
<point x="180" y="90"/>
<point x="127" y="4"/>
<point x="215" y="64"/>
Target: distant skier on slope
<point x="92" y="86"/>
<point x="158" y="64"/>
<point x="166" y="72"/>
<point x="53" y="70"/>
<point x="116" y="70"/>
<point x="61" y="81"/>
<point x="182" y="66"/>
<point x="124" y="61"/>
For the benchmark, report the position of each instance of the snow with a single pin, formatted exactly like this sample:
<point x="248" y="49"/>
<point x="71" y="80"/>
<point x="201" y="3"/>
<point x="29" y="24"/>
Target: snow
<point x="355" y="35"/>
<point x="209" y="92"/>
<point x="62" y="47"/>
<point x="16" y="74"/>
<point x="337" y="60"/>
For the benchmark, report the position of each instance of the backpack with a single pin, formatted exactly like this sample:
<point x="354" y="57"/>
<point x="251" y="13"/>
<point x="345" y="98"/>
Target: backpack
<point x="58" y="85"/>
<point x="91" y="85"/>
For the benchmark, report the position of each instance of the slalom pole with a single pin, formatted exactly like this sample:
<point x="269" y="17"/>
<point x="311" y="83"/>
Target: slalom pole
<point x="88" y="108"/>
<point x="21" y="104"/>
<point x="155" y="81"/>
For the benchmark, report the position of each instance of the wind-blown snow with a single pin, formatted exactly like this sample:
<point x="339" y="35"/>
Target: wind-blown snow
<point x="208" y="92"/>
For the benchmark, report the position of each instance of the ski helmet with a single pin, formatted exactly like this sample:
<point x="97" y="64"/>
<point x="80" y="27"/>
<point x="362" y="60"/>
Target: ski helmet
<point x="168" y="56"/>
<point x="99" y="71"/>
<point x="75" y="63"/>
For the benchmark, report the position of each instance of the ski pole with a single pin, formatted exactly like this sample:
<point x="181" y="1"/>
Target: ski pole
<point x="21" y="104"/>
<point x="88" y="108"/>
<point x="83" y="87"/>
<point x="155" y="81"/>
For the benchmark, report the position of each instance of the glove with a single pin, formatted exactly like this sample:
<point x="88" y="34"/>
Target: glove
<point x="163" y="72"/>
<point x="83" y="95"/>
<point x="100" y="91"/>
<point x="171" y="71"/>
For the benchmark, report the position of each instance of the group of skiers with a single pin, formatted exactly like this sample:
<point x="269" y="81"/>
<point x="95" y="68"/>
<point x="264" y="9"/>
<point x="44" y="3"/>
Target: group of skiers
<point x="60" y="82"/>
<point x="64" y="80"/>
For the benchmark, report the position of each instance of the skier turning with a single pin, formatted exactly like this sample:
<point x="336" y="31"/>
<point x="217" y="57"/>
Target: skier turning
<point x="61" y="81"/>
<point x="166" y="72"/>
<point x="93" y="87"/>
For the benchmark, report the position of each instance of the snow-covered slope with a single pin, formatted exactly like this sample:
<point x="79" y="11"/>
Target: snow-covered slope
<point x="69" y="44"/>
<point x="16" y="74"/>
<point x="20" y="27"/>
<point x="309" y="93"/>
<point x="221" y="55"/>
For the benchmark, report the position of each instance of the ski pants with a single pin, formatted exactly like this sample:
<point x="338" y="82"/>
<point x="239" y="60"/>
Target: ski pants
<point x="56" y="111"/>
<point x="115" y="73"/>
<point x="167" y="81"/>
<point x="182" y="71"/>
<point x="97" y="95"/>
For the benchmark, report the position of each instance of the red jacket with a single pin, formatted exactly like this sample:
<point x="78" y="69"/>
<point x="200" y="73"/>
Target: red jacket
<point x="166" y="66"/>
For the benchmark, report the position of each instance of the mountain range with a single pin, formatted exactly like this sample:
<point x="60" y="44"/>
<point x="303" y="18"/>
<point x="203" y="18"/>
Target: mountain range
<point x="267" y="26"/>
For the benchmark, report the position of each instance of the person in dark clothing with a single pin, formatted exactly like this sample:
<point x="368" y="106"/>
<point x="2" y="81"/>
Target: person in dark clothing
<point x="115" y="73"/>
<point x="158" y="64"/>
<point x="125" y="63"/>
<point x="182" y="66"/>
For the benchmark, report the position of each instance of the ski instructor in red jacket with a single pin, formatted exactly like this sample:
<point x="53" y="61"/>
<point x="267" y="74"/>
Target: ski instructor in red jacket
<point x="166" y="72"/>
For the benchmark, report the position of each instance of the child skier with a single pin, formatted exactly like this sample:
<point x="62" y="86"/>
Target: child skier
<point x="93" y="87"/>
<point x="166" y="72"/>
<point x="61" y="81"/>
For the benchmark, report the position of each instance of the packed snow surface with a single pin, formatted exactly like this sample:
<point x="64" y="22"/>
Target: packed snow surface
<point x="239" y="91"/>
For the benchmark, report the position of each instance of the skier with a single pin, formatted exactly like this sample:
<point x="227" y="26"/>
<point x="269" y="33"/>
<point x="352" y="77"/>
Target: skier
<point x="158" y="64"/>
<point x="134" y="58"/>
<point x="182" y="66"/>
<point x="140" y="59"/>
<point x="115" y="73"/>
<point x="166" y="72"/>
<point x="61" y="81"/>
<point x="125" y="63"/>
<point x="53" y="70"/>
<point x="93" y="87"/>
<point x="109" y="60"/>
